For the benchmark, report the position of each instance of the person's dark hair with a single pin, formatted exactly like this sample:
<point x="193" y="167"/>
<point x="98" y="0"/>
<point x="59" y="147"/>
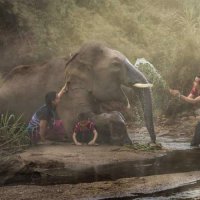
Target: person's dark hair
<point x="198" y="76"/>
<point x="83" y="116"/>
<point x="50" y="96"/>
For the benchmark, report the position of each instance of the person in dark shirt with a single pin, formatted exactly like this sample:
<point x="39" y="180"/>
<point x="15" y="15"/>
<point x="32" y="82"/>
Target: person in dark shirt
<point x="84" y="131"/>
<point x="193" y="98"/>
<point x="45" y="123"/>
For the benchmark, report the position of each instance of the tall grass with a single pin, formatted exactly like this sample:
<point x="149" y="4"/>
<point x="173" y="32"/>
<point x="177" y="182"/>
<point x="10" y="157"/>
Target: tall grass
<point x="13" y="133"/>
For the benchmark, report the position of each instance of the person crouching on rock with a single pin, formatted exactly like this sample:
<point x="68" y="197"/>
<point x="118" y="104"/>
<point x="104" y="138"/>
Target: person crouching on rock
<point x="193" y="98"/>
<point x="84" y="131"/>
<point x="45" y="123"/>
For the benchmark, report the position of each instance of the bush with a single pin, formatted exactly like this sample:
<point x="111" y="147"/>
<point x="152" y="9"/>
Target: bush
<point x="160" y="88"/>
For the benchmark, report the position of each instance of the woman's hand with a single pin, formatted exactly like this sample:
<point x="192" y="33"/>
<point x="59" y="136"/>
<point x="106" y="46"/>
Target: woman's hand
<point x="92" y="143"/>
<point x="78" y="143"/>
<point x="64" y="88"/>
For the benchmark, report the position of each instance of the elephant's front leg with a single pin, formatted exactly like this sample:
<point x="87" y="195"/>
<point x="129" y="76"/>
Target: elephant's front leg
<point x="112" y="128"/>
<point x="118" y="133"/>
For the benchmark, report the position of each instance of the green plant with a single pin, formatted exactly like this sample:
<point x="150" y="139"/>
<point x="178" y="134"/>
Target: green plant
<point x="13" y="133"/>
<point x="144" y="147"/>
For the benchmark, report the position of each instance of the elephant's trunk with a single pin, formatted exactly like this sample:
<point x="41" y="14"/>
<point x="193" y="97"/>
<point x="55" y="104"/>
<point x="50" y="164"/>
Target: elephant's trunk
<point x="133" y="77"/>
<point x="146" y="102"/>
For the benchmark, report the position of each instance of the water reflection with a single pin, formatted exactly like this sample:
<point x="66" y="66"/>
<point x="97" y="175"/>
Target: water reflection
<point x="192" y="193"/>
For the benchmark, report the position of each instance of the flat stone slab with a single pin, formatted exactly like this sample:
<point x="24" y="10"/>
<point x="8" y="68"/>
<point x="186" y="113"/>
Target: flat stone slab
<point x="67" y="163"/>
<point x="73" y="156"/>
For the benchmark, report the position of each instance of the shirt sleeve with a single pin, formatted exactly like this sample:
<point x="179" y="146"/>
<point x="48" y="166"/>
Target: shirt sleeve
<point x="91" y="126"/>
<point x="43" y="115"/>
<point x="194" y="91"/>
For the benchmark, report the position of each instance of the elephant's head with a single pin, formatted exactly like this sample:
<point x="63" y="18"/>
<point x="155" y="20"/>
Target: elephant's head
<point x="102" y="71"/>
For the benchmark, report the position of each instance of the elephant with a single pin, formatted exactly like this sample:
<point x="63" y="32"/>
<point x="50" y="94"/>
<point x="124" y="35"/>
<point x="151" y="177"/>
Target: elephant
<point x="95" y="75"/>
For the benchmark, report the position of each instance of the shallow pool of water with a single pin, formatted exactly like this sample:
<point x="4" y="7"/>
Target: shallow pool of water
<point x="188" y="192"/>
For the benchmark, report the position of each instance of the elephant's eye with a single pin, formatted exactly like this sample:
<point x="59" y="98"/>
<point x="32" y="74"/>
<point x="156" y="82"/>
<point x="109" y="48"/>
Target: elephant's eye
<point x="115" y="66"/>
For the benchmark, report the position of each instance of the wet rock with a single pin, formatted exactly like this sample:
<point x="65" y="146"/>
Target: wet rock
<point x="143" y="130"/>
<point x="9" y="166"/>
<point x="197" y="112"/>
<point x="192" y="118"/>
<point x="184" y="118"/>
<point x="163" y="132"/>
<point x="65" y="163"/>
<point x="184" y="114"/>
<point x="198" y="118"/>
<point x="170" y="122"/>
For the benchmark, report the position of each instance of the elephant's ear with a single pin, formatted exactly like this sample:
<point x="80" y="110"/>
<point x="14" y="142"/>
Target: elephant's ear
<point x="91" y="54"/>
<point x="82" y="64"/>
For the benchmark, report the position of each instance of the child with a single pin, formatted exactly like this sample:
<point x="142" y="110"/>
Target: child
<point x="84" y="131"/>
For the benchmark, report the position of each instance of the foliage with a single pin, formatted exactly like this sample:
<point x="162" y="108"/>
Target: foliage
<point x="13" y="134"/>
<point x="161" y="96"/>
<point x="144" y="147"/>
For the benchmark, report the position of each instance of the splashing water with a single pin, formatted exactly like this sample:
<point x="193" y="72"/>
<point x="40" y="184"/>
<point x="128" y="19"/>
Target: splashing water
<point x="150" y="71"/>
<point x="161" y="97"/>
<point x="144" y="61"/>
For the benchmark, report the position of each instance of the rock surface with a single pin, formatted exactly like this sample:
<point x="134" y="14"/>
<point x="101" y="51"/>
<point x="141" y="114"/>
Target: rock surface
<point x="66" y="163"/>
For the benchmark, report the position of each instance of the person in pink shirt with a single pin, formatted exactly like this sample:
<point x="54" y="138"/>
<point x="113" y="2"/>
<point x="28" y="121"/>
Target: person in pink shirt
<point x="193" y="98"/>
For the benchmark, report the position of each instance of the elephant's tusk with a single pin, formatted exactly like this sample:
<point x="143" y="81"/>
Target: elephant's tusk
<point x="143" y="85"/>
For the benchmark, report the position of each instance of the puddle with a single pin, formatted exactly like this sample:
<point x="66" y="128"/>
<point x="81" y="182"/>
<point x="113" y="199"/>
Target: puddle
<point x="187" y="192"/>
<point x="167" y="142"/>
<point x="192" y="193"/>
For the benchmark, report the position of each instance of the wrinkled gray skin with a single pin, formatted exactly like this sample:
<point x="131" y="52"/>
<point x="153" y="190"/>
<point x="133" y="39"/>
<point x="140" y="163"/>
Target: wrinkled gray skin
<point x="112" y="127"/>
<point x="95" y="74"/>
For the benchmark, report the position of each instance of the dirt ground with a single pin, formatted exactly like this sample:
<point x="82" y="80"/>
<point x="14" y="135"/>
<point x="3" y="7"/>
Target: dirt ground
<point x="168" y="132"/>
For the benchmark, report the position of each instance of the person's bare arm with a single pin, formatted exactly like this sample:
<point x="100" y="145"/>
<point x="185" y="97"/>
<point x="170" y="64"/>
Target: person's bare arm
<point x="43" y="126"/>
<point x="75" y="140"/>
<point x="62" y="91"/>
<point x="94" y="138"/>
<point x="191" y="96"/>
<point x="190" y="100"/>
